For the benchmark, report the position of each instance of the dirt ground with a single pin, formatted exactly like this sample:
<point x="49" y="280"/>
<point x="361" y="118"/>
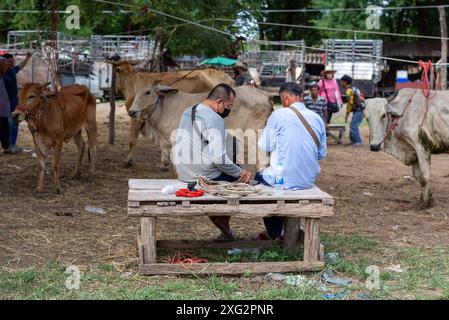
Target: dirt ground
<point x="374" y="198"/>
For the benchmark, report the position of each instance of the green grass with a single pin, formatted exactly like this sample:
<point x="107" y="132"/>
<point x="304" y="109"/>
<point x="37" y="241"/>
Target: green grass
<point x="425" y="276"/>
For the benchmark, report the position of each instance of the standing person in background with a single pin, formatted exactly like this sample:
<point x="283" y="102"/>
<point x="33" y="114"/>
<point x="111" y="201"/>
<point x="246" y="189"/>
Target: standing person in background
<point x="356" y="105"/>
<point x="330" y="90"/>
<point x="5" y="108"/>
<point x="316" y="103"/>
<point x="10" y="80"/>
<point x="242" y="76"/>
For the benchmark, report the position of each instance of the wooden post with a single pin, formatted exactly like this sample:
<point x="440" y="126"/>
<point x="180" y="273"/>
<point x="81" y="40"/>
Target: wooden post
<point x="312" y="240"/>
<point x="291" y="233"/>
<point x="112" y="111"/>
<point x="444" y="49"/>
<point x="147" y="240"/>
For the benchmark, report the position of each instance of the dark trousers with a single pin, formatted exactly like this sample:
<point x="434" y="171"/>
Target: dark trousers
<point x="4" y="132"/>
<point x="274" y="225"/>
<point x="329" y="116"/>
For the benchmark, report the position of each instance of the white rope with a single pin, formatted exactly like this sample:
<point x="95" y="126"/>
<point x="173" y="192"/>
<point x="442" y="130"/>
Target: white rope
<point x="353" y="9"/>
<point x="344" y="30"/>
<point x="227" y="189"/>
<point x="169" y="16"/>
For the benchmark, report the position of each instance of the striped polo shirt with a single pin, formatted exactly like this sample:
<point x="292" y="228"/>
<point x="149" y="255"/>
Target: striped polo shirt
<point x="318" y="106"/>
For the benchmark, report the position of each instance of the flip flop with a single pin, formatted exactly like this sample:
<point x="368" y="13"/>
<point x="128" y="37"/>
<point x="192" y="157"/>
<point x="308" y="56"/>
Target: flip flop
<point x="224" y="238"/>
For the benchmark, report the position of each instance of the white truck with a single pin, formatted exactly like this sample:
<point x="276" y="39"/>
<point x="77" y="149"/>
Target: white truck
<point x="360" y="59"/>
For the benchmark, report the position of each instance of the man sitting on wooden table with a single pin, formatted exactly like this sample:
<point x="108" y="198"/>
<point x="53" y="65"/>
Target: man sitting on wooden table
<point x="296" y="138"/>
<point x="201" y="150"/>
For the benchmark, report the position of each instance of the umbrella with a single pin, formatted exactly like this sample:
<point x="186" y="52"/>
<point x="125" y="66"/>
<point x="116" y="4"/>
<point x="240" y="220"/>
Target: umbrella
<point x="220" y="61"/>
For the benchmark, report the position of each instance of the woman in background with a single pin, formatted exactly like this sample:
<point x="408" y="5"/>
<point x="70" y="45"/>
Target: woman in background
<point x="330" y="90"/>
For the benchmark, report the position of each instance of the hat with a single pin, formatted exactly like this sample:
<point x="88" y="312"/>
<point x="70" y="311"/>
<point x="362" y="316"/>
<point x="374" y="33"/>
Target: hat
<point x="328" y="69"/>
<point x="240" y="65"/>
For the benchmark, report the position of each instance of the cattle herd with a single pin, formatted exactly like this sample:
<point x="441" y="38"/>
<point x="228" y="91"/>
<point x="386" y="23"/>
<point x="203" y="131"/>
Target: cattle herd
<point x="411" y="126"/>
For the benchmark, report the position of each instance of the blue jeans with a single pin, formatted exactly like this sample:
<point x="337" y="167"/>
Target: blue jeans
<point x="274" y="225"/>
<point x="357" y="119"/>
<point x="13" y="131"/>
<point x="225" y="177"/>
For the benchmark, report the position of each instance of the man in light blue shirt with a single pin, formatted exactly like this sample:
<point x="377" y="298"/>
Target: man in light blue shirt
<point x="290" y="143"/>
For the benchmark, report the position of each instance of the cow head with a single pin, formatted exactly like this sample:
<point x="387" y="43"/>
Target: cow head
<point x="30" y="98"/>
<point x="124" y="67"/>
<point x="376" y="114"/>
<point x="147" y="98"/>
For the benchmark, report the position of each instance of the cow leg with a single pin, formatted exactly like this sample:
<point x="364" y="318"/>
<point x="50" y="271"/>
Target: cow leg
<point x="81" y="147"/>
<point x="56" y="162"/>
<point x="41" y="158"/>
<point x="165" y="161"/>
<point x="133" y="136"/>
<point x="423" y="177"/>
<point x="92" y="142"/>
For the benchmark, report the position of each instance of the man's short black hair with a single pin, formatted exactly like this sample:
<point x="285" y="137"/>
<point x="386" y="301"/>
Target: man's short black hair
<point x="291" y="88"/>
<point x="347" y="79"/>
<point x="223" y="92"/>
<point x="8" y="56"/>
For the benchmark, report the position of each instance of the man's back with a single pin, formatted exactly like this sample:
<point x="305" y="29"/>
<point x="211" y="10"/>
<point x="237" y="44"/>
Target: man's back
<point x="201" y="152"/>
<point x="290" y="144"/>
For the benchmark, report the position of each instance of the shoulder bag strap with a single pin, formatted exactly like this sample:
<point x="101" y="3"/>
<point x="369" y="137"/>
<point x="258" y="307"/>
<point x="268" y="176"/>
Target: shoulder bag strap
<point x="325" y="90"/>
<point x="195" y="125"/>
<point x="307" y="126"/>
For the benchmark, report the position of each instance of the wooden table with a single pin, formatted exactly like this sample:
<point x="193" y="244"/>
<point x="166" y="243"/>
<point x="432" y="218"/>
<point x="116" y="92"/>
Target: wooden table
<point x="145" y="201"/>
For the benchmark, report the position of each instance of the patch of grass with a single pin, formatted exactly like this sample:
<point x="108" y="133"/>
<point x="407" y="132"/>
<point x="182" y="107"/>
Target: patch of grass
<point x="425" y="276"/>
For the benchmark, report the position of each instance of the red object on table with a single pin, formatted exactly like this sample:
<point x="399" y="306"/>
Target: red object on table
<point x="186" y="193"/>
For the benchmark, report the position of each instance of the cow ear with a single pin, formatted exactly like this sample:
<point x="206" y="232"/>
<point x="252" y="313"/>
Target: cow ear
<point x="166" y="89"/>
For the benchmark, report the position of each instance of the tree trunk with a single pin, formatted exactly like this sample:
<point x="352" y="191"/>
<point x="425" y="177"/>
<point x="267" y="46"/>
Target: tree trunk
<point x="443" y="70"/>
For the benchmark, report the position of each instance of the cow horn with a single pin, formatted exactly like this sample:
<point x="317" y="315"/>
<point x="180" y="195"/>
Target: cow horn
<point x="390" y="99"/>
<point x="165" y="89"/>
<point x="44" y="85"/>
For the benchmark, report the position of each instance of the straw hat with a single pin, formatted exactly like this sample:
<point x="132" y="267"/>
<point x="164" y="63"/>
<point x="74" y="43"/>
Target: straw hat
<point x="328" y="69"/>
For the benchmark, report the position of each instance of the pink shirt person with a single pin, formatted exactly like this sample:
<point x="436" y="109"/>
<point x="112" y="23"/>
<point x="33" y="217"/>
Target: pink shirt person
<point x="333" y="91"/>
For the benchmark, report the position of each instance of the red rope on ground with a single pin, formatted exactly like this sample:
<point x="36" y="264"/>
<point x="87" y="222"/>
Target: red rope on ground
<point x="186" y="260"/>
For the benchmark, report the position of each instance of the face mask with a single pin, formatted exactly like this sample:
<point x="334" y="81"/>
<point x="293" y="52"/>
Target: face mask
<point x="225" y="113"/>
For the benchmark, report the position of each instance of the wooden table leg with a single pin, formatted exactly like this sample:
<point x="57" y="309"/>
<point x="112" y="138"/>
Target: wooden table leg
<point x="147" y="241"/>
<point x="292" y="228"/>
<point x="312" y="240"/>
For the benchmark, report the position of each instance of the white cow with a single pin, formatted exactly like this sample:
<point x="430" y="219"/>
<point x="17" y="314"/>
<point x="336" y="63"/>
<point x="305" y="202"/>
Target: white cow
<point x="409" y="132"/>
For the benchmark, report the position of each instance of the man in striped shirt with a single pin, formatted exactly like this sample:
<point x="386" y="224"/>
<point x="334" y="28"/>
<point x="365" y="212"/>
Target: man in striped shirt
<point x="316" y="103"/>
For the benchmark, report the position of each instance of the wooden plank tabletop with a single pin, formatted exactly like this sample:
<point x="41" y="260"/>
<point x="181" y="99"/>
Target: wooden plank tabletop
<point x="150" y="191"/>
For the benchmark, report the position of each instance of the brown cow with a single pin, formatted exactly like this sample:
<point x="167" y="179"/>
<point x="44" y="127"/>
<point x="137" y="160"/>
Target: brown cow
<point x="131" y="82"/>
<point x="55" y="118"/>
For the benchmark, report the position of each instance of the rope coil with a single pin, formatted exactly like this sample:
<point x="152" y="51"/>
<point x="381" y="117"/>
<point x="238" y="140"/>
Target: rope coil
<point x="227" y="189"/>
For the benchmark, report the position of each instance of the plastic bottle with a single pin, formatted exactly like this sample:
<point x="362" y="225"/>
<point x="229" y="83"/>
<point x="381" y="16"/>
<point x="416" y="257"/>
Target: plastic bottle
<point x="279" y="180"/>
